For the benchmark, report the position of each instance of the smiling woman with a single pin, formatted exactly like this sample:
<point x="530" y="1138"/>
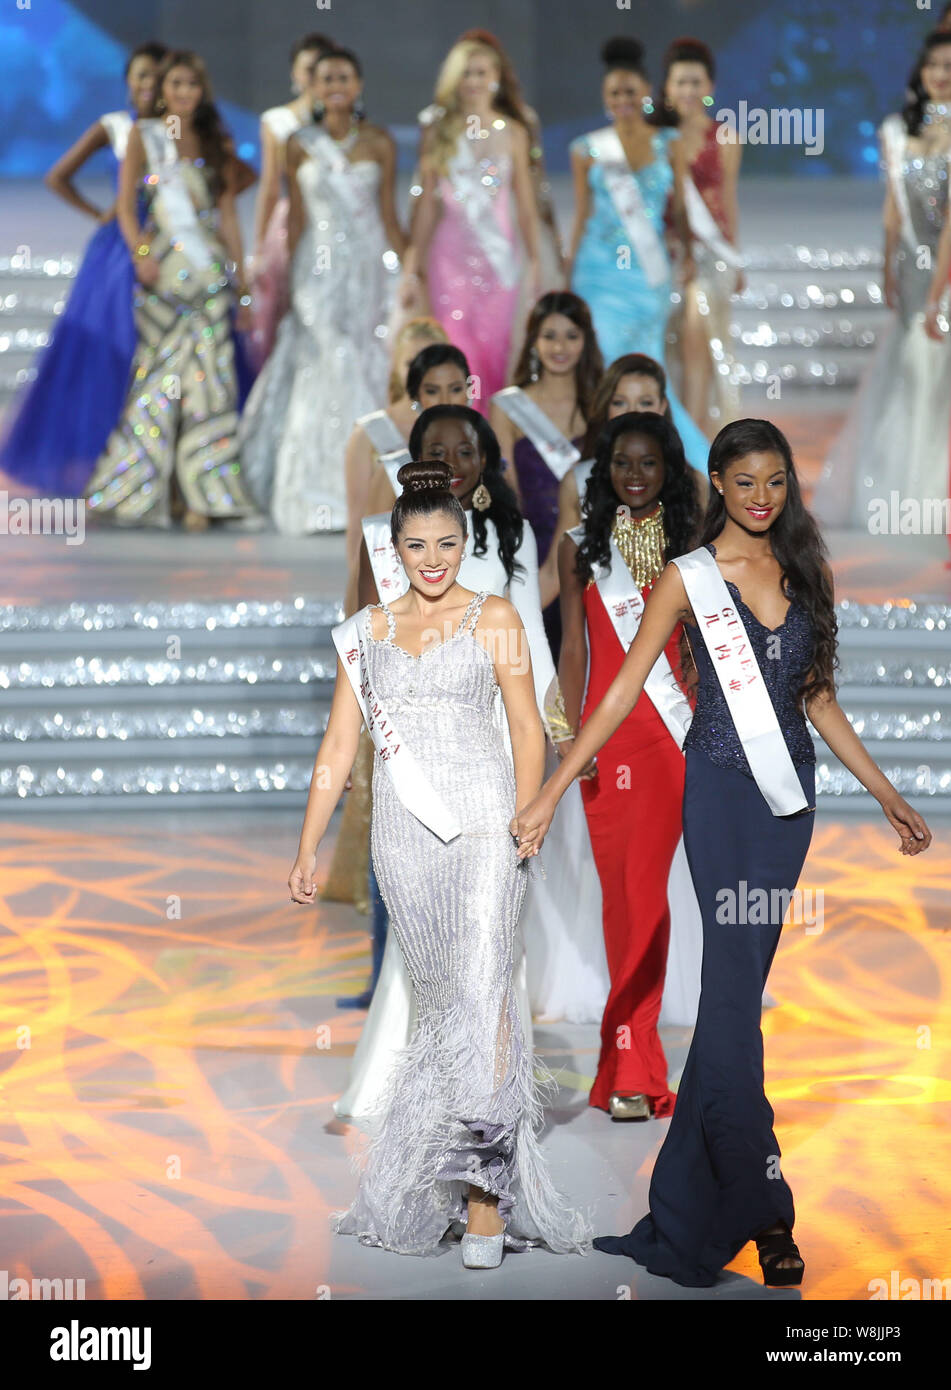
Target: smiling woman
<point x="749" y="801"/>
<point x="457" y="1139"/>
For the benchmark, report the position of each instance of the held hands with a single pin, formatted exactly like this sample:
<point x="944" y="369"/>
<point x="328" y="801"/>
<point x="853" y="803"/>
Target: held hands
<point x="302" y="882"/>
<point x="915" y="835"/>
<point x="530" y="825"/>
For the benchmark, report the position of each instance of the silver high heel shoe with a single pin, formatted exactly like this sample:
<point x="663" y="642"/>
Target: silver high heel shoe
<point x="482" y="1252"/>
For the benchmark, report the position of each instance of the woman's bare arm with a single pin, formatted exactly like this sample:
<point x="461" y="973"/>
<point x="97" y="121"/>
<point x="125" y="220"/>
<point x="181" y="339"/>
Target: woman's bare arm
<point x="665" y="608"/>
<point x="296" y="217"/>
<point x="395" y="235"/>
<point x="335" y="756"/>
<point x="580" y="164"/>
<point x="569" y="514"/>
<point x="505" y="639"/>
<point x="269" y="187"/>
<point x="59" y="178"/>
<point x="573" y="657"/>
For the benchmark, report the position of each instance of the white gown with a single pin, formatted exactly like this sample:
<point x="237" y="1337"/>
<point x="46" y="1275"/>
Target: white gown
<point x="895" y="437"/>
<point x="330" y="360"/>
<point x="560" y="926"/>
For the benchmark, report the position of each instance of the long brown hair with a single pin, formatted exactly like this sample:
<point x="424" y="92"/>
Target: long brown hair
<point x="631" y="364"/>
<point x="214" y="141"/>
<point x="590" y="363"/>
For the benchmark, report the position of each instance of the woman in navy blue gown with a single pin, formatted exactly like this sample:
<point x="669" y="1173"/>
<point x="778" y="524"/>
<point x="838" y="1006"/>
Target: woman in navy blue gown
<point x="764" y="588"/>
<point x="49" y="447"/>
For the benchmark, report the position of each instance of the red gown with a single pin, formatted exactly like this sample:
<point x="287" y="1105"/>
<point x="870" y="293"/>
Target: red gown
<point x="634" y="829"/>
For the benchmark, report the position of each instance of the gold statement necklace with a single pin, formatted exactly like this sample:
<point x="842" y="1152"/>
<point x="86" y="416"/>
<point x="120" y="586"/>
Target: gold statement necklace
<point x="641" y="543"/>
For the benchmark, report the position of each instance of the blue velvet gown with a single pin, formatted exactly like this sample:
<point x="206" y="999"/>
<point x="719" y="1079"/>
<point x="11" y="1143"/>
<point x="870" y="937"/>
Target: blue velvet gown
<point x="717" y="1182"/>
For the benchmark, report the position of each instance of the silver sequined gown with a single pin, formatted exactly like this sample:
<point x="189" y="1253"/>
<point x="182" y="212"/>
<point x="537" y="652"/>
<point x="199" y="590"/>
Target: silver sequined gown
<point x="330" y="361"/>
<point x="464" y="1107"/>
<point x="895" y="436"/>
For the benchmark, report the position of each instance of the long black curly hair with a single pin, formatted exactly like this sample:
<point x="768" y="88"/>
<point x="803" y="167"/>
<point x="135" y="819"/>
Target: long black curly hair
<point x="795" y="539"/>
<point x="913" y="112"/>
<point x="678" y="494"/>
<point x="504" y="510"/>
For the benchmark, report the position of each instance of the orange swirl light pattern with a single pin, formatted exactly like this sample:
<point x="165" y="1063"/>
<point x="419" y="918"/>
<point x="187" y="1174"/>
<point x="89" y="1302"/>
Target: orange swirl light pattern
<point x="171" y="1048"/>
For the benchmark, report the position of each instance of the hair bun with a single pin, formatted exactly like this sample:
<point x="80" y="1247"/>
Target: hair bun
<point x="431" y="475"/>
<point x="623" y="52"/>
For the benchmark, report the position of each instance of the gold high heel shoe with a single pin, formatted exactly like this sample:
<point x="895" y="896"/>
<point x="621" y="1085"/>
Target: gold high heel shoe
<point x="624" y="1107"/>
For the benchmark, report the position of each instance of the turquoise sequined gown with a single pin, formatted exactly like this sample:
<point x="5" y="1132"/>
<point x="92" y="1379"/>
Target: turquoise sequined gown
<point x="629" y="314"/>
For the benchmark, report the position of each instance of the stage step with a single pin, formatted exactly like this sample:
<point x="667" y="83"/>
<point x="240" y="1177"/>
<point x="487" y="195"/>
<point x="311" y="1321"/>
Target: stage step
<point x="809" y="315"/>
<point x="199" y="704"/>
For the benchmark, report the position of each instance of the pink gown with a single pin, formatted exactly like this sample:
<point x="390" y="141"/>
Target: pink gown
<point x="475" y="260"/>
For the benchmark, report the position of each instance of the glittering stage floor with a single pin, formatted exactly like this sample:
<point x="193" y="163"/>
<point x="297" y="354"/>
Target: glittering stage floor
<point x="172" y="1047"/>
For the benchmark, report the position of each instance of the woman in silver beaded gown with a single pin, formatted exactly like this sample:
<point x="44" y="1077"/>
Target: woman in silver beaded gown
<point x="895" y="437"/>
<point x="330" y="360"/>
<point x="458" y="1138"/>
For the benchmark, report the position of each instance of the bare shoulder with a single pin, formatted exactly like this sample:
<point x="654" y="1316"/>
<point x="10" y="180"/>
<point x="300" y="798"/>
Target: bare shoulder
<point x="671" y="592"/>
<point x="378" y="624"/>
<point x="378" y="137"/>
<point x="499" y="612"/>
<point x="519" y="134"/>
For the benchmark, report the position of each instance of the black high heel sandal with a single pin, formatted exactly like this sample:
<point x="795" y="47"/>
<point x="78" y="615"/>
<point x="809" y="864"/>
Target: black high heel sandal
<point x="774" y="1246"/>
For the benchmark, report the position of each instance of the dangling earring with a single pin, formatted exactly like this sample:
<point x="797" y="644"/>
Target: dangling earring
<point x="493" y="87"/>
<point x="414" y="405"/>
<point x="482" y="497"/>
<point x="534" y="364"/>
<point x="359" y="110"/>
<point x="647" y="106"/>
<point x="319" y="110"/>
<point x="159" y="104"/>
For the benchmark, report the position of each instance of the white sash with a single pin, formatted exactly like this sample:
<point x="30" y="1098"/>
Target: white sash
<point x="386" y="565"/>
<point x="629" y="205"/>
<point x="178" y="216"/>
<point x="117" y="125"/>
<point x="704" y="226"/>
<point x="893" y="148"/>
<point x="410" y="782"/>
<point x="478" y="204"/>
<point x="557" y="452"/>
<point x="392" y="463"/>
<point x="383" y="434"/>
<point x="582" y="474"/>
<point x="742" y="683"/>
<point x="624" y="605"/>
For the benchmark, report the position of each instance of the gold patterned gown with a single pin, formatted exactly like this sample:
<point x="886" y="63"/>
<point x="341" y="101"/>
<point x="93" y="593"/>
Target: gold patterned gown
<point x="180" y="417"/>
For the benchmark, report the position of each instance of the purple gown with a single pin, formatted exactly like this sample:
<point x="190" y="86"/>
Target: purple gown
<point x="539" y="489"/>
